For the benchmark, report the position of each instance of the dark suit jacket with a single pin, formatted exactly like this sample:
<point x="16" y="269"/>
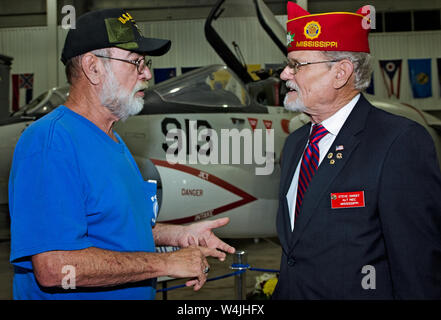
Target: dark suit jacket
<point x="396" y="235"/>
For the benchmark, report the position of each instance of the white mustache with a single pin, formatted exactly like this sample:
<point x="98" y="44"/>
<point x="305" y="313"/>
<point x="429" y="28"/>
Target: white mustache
<point x="140" y="86"/>
<point x="291" y="85"/>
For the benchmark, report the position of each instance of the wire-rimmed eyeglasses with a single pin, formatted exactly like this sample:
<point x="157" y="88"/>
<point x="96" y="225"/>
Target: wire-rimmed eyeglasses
<point x="295" y="65"/>
<point x="140" y="64"/>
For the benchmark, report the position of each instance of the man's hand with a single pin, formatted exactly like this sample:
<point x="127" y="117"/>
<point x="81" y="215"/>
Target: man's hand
<point x="201" y="234"/>
<point x="191" y="262"/>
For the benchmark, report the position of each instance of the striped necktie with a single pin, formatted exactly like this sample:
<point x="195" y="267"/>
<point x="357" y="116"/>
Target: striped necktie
<point x="310" y="162"/>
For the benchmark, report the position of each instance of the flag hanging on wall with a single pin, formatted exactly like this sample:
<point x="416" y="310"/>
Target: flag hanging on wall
<point x="188" y="69"/>
<point x="391" y="69"/>
<point x="420" y="75"/>
<point x="22" y="81"/>
<point x="162" y="74"/>
<point x="439" y="73"/>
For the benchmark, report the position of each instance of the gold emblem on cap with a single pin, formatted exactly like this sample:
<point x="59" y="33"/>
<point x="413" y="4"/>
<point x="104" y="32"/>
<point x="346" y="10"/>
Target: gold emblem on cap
<point x="312" y="30"/>
<point x="125" y="17"/>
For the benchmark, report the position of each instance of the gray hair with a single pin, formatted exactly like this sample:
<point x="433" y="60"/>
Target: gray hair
<point x="362" y="65"/>
<point x="73" y="66"/>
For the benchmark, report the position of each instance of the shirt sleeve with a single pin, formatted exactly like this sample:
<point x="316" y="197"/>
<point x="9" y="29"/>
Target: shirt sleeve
<point x="46" y="201"/>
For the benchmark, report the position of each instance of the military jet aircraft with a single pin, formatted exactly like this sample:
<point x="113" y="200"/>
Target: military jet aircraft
<point x="213" y="149"/>
<point x="212" y="98"/>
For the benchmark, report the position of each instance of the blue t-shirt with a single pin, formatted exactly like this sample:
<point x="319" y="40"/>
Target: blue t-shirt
<point x="72" y="187"/>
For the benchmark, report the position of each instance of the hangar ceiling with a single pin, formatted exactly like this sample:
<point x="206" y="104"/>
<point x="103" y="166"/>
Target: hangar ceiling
<point x="26" y="13"/>
<point x="33" y="12"/>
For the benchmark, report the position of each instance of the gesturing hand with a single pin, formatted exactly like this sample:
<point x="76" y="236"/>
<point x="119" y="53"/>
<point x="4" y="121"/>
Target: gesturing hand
<point x="201" y="234"/>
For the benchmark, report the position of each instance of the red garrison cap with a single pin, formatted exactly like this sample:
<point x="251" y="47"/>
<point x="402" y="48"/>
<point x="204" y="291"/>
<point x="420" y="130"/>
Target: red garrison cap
<point x="332" y="31"/>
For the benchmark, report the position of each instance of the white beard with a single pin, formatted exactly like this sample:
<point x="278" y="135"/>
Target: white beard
<point x="297" y="105"/>
<point x="122" y="104"/>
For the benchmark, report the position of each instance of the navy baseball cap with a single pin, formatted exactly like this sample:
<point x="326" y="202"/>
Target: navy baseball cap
<point x="110" y="28"/>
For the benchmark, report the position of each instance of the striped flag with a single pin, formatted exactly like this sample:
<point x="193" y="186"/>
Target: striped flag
<point x="21" y="97"/>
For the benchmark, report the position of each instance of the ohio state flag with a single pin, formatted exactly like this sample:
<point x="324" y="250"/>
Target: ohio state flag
<point x="391" y="69"/>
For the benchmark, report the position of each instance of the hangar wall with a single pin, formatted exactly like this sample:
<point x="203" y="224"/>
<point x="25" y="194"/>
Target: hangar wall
<point x="28" y="47"/>
<point x="408" y="45"/>
<point x="189" y="48"/>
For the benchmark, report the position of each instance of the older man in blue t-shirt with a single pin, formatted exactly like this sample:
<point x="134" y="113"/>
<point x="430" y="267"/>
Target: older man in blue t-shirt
<point x="77" y="199"/>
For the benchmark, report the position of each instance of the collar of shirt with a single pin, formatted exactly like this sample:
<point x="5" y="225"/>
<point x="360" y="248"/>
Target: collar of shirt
<point x="334" y="123"/>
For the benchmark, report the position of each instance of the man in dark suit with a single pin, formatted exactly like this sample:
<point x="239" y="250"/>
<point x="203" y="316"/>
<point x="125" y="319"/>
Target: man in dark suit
<point x="360" y="193"/>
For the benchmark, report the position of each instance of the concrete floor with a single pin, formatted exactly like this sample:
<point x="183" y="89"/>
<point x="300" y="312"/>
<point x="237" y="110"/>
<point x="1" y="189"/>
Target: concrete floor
<point x="261" y="253"/>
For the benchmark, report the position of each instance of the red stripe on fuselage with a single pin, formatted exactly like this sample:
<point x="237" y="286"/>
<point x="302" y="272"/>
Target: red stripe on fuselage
<point x="246" y="198"/>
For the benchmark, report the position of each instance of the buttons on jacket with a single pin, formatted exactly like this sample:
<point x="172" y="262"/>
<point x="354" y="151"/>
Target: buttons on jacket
<point x="291" y="262"/>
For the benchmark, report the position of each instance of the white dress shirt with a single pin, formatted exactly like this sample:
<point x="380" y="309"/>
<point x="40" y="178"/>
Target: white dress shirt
<point x="333" y="124"/>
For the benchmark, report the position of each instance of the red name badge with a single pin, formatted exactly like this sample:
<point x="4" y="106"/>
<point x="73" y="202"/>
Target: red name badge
<point x="353" y="199"/>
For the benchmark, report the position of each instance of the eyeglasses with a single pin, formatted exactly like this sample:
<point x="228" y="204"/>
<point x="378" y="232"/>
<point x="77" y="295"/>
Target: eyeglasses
<point x="140" y="64"/>
<point x="294" y="65"/>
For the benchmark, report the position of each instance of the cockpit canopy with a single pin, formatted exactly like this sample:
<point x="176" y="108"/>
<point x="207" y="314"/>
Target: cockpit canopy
<point x="212" y="86"/>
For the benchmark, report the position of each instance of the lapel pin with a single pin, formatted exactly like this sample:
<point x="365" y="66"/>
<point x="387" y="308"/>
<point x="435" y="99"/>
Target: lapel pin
<point x="330" y="155"/>
<point x="339" y="148"/>
<point x="339" y="155"/>
<point x="332" y="161"/>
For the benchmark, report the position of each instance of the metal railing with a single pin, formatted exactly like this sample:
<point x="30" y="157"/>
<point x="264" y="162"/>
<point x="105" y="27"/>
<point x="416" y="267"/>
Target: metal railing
<point x="240" y="265"/>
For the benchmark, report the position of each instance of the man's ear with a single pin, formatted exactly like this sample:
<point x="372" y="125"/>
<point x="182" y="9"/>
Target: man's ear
<point x="92" y="68"/>
<point x="343" y="72"/>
